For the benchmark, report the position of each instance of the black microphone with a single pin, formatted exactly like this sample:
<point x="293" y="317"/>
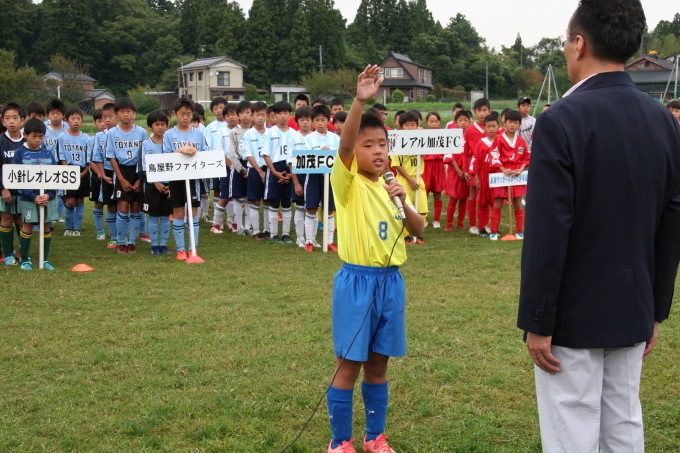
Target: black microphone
<point x="388" y="176"/>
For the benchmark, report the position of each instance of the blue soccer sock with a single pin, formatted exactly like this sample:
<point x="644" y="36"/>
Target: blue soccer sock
<point x="111" y="225"/>
<point x="122" y="224"/>
<point x="178" y="232"/>
<point x="375" y="404"/>
<point x="165" y="231"/>
<point x="340" y="412"/>
<point x="69" y="214"/>
<point x="98" y="215"/>
<point x="197" y="224"/>
<point x="135" y="221"/>
<point x="153" y="230"/>
<point x="142" y="225"/>
<point x="60" y="205"/>
<point x="80" y="213"/>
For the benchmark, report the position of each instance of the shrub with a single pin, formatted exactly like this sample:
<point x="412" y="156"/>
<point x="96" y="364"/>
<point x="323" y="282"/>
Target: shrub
<point x="398" y="96"/>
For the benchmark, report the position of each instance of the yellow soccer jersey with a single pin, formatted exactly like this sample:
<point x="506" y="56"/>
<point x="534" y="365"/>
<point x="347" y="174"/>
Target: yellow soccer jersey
<point x="368" y="222"/>
<point x="409" y="163"/>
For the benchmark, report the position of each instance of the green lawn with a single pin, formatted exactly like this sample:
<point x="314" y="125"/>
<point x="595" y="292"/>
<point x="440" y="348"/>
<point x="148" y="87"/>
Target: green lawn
<point x="151" y="354"/>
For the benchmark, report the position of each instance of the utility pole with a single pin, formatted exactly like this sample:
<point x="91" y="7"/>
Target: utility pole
<point x="321" y="59"/>
<point x="487" y="79"/>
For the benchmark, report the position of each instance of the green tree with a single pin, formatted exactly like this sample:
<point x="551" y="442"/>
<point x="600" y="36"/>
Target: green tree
<point x="301" y="57"/>
<point x="398" y="96"/>
<point x="331" y="26"/>
<point x="70" y="71"/>
<point x="341" y="83"/>
<point x="232" y="32"/>
<point x="157" y="60"/>
<point x="467" y="34"/>
<point x="16" y="32"/>
<point x="251" y="93"/>
<point x="190" y="17"/>
<point x="21" y="84"/>
<point x="261" y="44"/>
<point x="145" y="103"/>
<point x="665" y="44"/>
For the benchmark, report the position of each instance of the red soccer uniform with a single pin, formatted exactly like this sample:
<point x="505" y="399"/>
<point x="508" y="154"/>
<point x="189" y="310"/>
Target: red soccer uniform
<point x="451" y="125"/>
<point x="512" y="155"/>
<point x="293" y="124"/>
<point x="472" y="135"/>
<point x="484" y="154"/>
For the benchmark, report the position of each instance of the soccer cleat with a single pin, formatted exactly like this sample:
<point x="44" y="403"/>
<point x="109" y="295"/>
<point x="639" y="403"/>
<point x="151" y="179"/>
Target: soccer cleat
<point x="216" y="229"/>
<point x="408" y="240"/>
<point x="332" y="247"/>
<point x="379" y="445"/>
<point x="36" y="228"/>
<point x="68" y="232"/>
<point x="229" y="224"/>
<point x="112" y="245"/>
<point x="155" y="250"/>
<point x="241" y="232"/>
<point x="26" y="266"/>
<point x="11" y="261"/>
<point x="145" y="238"/>
<point x="460" y="226"/>
<point x="101" y="236"/>
<point x="258" y="236"/>
<point x="267" y="234"/>
<point x="205" y="218"/>
<point x="316" y="244"/>
<point x="234" y="228"/>
<point x="47" y="266"/>
<point x="419" y="241"/>
<point x="286" y="239"/>
<point x="483" y="233"/>
<point x="122" y="248"/>
<point x="493" y="236"/>
<point x="131" y="248"/>
<point x="519" y="236"/>
<point x="486" y="229"/>
<point x="309" y="247"/>
<point x="61" y="220"/>
<point x="248" y="232"/>
<point x="300" y="244"/>
<point x="474" y="230"/>
<point x="276" y="239"/>
<point x="75" y="233"/>
<point x="182" y="255"/>
<point x="436" y="224"/>
<point x="449" y="227"/>
<point x="164" y="250"/>
<point x="344" y="447"/>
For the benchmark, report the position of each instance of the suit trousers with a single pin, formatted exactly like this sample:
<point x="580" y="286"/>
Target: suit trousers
<point x="594" y="401"/>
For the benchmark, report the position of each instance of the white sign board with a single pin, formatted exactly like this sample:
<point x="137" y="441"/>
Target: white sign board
<point x="36" y="177"/>
<point x="179" y="166"/>
<point x="425" y="141"/>
<point x="313" y="162"/>
<point x="503" y="180"/>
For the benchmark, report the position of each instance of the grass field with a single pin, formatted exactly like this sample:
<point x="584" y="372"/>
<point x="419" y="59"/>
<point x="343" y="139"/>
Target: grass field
<point x="151" y="354"/>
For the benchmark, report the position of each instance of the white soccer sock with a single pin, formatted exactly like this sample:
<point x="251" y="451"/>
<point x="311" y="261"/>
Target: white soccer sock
<point x="205" y="204"/>
<point x="330" y="227"/>
<point x="310" y="224"/>
<point x="230" y="210"/>
<point x="238" y="213"/>
<point x="265" y="219"/>
<point x="317" y="217"/>
<point x="246" y="221"/>
<point x="274" y="221"/>
<point x="300" y="223"/>
<point x="286" y="215"/>
<point x="255" y="218"/>
<point x="219" y="213"/>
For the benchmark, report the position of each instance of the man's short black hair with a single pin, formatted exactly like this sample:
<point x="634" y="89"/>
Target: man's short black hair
<point x="13" y="106"/>
<point x="183" y="102"/>
<point x="464" y="113"/>
<point x="408" y="117"/>
<point x="217" y="101"/>
<point x="55" y="104"/>
<point x="34" y="125"/>
<point x="282" y="106"/>
<point x="156" y="116"/>
<point x="73" y="111"/>
<point x="258" y="107"/>
<point x="369" y="122"/>
<point x="303" y="112"/>
<point x="244" y="105"/>
<point x="321" y="110"/>
<point x="35" y="107"/>
<point x="674" y="104"/>
<point x="379" y="106"/>
<point x="301" y="97"/>
<point x="318" y="101"/>
<point x="228" y="108"/>
<point x="340" y="117"/>
<point x="124" y="103"/>
<point x="198" y="108"/>
<point x="97" y="114"/>
<point x="481" y="102"/>
<point x="457" y="105"/>
<point x="513" y="115"/>
<point x="337" y="101"/>
<point x="612" y="28"/>
<point x="108" y="106"/>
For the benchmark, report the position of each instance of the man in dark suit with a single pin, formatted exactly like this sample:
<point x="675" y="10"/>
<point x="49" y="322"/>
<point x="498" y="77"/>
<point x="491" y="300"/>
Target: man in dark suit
<point x="602" y="238"/>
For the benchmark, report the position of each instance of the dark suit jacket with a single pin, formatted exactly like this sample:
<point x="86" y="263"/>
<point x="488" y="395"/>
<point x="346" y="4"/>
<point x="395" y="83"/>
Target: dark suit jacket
<point x="603" y="217"/>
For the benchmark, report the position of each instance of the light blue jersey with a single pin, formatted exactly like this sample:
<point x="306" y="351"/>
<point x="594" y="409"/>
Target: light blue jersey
<point x="296" y="141"/>
<point x="98" y="152"/>
<point x="175" y="139"/>
<point x="51" y="137"/>
<point x="315" y="141"/>
<point x="253" y="143"/>
<point x="149" y="147"/>
<point x="222" y="143"/>
<point x="276" y="144"/>
<point x="125" y="146"/>
<point x="73" y="150"/>
<point x="213" y="134"/>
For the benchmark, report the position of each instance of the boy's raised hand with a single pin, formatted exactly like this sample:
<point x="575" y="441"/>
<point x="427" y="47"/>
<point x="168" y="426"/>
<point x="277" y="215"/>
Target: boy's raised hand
<point x="367" y="86"/>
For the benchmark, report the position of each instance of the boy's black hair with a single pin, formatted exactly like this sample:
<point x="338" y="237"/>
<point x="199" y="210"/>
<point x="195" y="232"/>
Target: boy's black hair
<point x="318" y="101"/>
<point x="481" y="102"/>
<point x="198" y="108"/>
<point x="433" y="113"/>
<point x="548" y="105"/>
<point x="195" y="117"/>
<point x="73" y="111"/>
<point x="97" y="114"/>
<point x="217" y="101"/>
<point x="612" y="28"/>
<point x="407" y="117"/>
<point x="303" y="112"/>
<point x="34" y="125"/>
<point x="321" y="110"/>
<point x="379" y="106"/>
<point x="168" y="113"/>
<point x="417" y="114"/>
<point x="504" y="111"/>
<point x="674" y="104"/>
<point x="340" y="117"/>
<point x="374" y="111"/>
<point x="244" y="105"/>
<point x="156" y="116"/>
<point x="460" y="113"/>
<point x="282" y="106"/>
<point x="337" y="101"/>
<point x="398" y="115"/>
<point x="183" y="102"/>
<point x="55" y="104"/>
<point x="513" y="115"/>
<point x="491" y="117"/>
<point x="301" y="97"/>
<point x="457" y="105"/>
<point x="369" y="121"/>
<point x="13" y="106"/>
<point x="258" y="107"/>
<point x="124" y="103"/>
<point x="35" y="107"/>
<point x="270" y="109"/>
<point x="228" y="108"/>
<point x="108" y="106"/>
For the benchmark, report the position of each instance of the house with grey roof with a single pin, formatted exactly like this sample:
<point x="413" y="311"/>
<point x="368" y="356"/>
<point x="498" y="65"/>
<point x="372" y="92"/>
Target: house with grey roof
<point x="401" y="73"/>
<point x="651" y="74"/>
<point x="207" y="78"/>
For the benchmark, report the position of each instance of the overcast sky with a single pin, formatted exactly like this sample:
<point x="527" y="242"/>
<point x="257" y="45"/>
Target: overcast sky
<point x="500" y="21"/>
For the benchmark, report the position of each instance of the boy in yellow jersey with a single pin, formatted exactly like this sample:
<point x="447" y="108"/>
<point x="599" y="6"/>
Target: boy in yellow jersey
<point x="406" y="168"/>
<point x="370" y="244"/>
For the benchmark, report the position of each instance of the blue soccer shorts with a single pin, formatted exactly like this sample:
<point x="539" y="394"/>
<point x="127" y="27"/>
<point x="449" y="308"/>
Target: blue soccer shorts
<point x="314" y="192"/>
<point x="384" y="330"/>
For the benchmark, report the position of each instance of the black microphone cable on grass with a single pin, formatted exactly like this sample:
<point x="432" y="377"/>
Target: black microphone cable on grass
<point x="363" y="321"/>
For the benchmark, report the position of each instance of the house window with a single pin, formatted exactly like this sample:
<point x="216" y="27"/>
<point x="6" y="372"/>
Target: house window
<point x="646" y="64"/>
<point x="420" y="94"/>
<point x="397" y="72"/>
<point x="200" y="75"/>
<point x="388" y="72"/>
<point x="223" y="79"/>
<point x="420" y="73"/>
<point x="410" y="94"/>
<point x="191" y="77"/>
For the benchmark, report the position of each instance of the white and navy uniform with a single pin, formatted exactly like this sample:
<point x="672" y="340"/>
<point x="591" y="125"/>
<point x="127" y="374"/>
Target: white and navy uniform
<point x="74" y="151"/>
<point x="173" y="140"/>
<point x="276" y="147"/>
<point x="221" y="143"/>
<point x="314" y="184"/>
<point x="253" y="143"/>
<point x="125" y="148"/>
<point x="156" y="204"/>
<point x="297" y="142"/>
